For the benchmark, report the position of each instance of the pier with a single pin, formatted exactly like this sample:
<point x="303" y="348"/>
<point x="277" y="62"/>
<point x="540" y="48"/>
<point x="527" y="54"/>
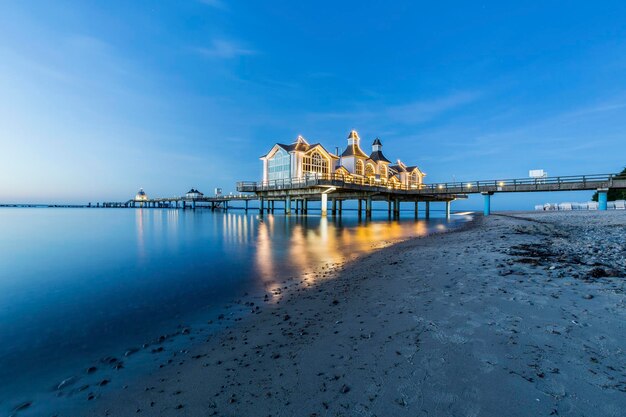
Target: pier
<point x="214" y="202"/>
<point x="339" y="188"/>
<point x="332" y="191"/>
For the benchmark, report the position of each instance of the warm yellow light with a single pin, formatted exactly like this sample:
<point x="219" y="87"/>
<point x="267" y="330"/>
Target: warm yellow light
<point x="501" y="183"/>
<point x="440" y="186"/>
<point x="469" y="185"/>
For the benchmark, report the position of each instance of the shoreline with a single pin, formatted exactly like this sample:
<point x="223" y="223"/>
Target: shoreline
<point x="437" y="328"/>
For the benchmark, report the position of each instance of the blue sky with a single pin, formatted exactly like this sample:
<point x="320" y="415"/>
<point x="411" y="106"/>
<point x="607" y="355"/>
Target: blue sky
<point x="101" y="98"/>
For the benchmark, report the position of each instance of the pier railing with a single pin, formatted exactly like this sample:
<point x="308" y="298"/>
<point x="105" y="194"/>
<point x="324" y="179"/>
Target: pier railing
<point x="572" y="182"/>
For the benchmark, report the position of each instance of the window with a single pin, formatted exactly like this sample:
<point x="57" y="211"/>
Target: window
<point x="383" y="171"/>
<point x="369" y="170"/>
<point x="414" y="177"/>
<point x="279" y="166"/>
<point x="315" y="163"/>
<point x="358" y="167"/>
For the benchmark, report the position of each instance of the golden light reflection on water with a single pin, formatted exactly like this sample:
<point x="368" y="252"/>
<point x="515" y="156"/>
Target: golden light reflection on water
<point x="309" y="249"/>
<point x="315" y="252"/>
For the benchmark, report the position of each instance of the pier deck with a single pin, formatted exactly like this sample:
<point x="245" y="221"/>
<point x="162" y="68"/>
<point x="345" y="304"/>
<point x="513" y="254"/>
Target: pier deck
<point x="339" y="188"/>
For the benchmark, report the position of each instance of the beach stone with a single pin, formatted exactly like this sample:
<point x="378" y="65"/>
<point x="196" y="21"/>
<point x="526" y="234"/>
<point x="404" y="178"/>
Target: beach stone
<point x="91" y="369"/>
<point x="131" y="351"/>
<point x="23" y="406"/>
<point x="67" y="382"/>
<point x="598" y="273"/>
<point x="587" y="296"/>
<point x="344" y="389"/>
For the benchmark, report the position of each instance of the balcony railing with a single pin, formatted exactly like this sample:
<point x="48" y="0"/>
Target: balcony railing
<point x="339" y="180"/>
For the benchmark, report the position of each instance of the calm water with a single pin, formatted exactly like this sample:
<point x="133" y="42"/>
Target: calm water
<point x="77" y="283"/>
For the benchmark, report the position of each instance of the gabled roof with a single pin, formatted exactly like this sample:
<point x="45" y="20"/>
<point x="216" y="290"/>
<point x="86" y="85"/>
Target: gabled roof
<point x="296" y="146"/>
<point x="315" y="145"/>
<point x="300" y="145"/>
<point x="398" y="168"/>
<point x="377" y="142"/>
<point x="193" y="191"/>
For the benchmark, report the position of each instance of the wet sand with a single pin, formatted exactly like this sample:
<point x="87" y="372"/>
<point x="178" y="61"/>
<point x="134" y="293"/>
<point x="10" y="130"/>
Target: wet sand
<point x="519" y="315"/>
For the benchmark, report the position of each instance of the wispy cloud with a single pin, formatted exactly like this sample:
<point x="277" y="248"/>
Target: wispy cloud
<point x="224" y="49"/>
<point x="411" y="113"/>
<point x="422" y="111"/>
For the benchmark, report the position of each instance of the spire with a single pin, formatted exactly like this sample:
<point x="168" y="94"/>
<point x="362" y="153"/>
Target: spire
<point x="353" y="138"/>
<point x="377" y="152"/>
<point x="353" y="148"/>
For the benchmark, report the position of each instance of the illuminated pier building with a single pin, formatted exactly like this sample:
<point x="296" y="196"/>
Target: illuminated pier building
<point x="302" y="159"/>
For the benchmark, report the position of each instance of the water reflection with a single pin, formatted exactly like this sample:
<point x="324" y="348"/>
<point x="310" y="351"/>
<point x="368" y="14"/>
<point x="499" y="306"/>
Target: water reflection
<point x="313" y="242"/>
<point x="108" y="279"/>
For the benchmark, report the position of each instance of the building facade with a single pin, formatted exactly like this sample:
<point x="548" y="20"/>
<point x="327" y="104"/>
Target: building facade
<point x="301" y="160"/>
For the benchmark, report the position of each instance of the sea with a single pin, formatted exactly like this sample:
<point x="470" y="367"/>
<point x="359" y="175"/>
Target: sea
<point x="81" y="284"/>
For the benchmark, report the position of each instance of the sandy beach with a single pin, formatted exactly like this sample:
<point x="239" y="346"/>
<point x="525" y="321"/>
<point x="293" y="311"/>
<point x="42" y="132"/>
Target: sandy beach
<point x="520" y="314"/>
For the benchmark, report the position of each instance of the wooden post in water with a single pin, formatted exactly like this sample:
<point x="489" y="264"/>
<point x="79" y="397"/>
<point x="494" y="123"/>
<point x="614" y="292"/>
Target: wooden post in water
<point x="368" y="207"/>
<point x="427" y="210"/>
<point x="334" y="206"/>
<point x="340" y="207"/>
<point x="359" y="207"/>
<point x="416" y="208"/>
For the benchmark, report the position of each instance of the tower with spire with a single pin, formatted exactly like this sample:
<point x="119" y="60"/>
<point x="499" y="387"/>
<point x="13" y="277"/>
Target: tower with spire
<point x="353" y="158"/>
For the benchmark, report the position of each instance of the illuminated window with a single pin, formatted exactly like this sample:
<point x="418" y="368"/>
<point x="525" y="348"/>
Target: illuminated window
<point x="383" y="171"/>
<point x="358" y="168"/>
<point x="279" y="166"/>
<point x="414" y="177"/>
<point x="369" y="170"/>
<point x="315" y="163"/>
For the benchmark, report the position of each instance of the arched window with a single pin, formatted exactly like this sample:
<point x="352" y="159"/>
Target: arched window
<point x="369" y="171"/>
<point x="414" y="177"/>
<point x="383" y="171"/>
<point x="358" y="167"/>
<point x="315" y="162"/>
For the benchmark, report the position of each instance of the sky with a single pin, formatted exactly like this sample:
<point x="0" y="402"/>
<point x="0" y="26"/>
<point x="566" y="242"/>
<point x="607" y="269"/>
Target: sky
<point x="100" y="98"/>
